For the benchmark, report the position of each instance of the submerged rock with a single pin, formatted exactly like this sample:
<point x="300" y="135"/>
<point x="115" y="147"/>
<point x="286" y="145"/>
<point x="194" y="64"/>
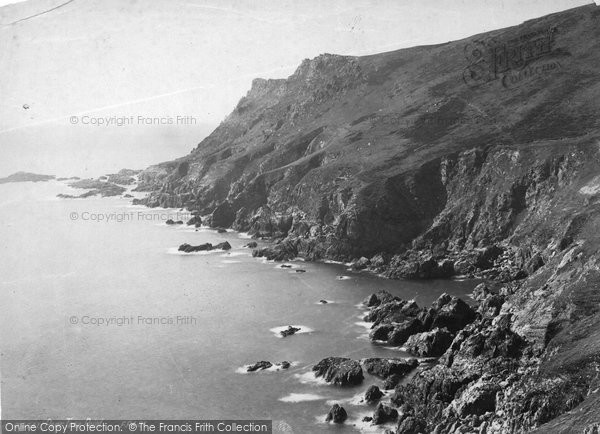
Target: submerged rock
<point x="337" y="414"/>
<point x="340" y="371"/>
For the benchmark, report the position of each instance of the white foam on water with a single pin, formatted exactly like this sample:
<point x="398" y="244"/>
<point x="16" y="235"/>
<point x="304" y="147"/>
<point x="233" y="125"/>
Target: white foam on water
<point x="244" y="235"/>
<point x="231" y="254"/>
<point x="343" y="277"/>
<point x="303" y="329"/>
<point x="230" y="261"/>
<point x="364" y="324"/>
<point x="310" y="378"/>
<point x="301" y="397"/>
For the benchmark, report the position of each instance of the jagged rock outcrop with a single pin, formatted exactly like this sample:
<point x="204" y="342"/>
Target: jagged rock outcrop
<point x="339" y="371"/>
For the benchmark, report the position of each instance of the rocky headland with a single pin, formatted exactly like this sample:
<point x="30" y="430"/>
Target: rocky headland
<point x="26" y="177"/>
<point x="419" y="164"/>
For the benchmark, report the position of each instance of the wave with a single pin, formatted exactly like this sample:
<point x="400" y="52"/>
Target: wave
<point x="231" y="254"/>
<point x="310" y="378"/>
<point x="301" y="397"/>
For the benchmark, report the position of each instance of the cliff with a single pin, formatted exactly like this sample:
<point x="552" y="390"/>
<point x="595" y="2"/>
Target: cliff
<point x="474" y="157"/>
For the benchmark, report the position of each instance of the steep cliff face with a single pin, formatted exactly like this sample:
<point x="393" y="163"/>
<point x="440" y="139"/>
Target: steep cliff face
<point x="477" y="157"/>
<point x="377" y="150"/>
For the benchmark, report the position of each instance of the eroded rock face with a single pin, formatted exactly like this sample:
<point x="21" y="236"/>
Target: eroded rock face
<point x="339" y="371"/>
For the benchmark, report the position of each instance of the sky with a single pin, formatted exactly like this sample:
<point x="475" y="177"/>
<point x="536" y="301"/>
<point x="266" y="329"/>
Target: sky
<point x="90" y="86"/>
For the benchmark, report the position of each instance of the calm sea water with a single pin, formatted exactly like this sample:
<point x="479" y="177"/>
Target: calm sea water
<point x="60" y="271"/>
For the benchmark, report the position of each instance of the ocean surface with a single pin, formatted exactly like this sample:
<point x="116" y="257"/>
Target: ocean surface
<point x="105" y="319"/>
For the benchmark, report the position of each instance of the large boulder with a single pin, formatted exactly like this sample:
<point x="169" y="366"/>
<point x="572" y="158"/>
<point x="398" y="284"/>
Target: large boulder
<point x="373" y="394"/>
<point x="429" y="344"/>
<point x="339" y="371"/>
<point x="337" y="414"/>
<point x="384" y="413"/>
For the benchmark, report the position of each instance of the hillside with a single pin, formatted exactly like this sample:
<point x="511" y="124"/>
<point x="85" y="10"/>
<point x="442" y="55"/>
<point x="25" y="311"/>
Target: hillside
<point x="477" y="157"/>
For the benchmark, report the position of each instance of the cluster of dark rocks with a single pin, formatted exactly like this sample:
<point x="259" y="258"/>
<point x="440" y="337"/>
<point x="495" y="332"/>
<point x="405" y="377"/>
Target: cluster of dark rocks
<point x="171" y="222"/>
<point x="206" y="247"/>
<point x="264" y="364"/>
<point x="425" y="332"/>
<point x="472" y="354"/>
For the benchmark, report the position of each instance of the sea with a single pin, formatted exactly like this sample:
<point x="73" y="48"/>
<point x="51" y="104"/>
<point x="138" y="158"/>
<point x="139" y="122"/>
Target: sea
<point x="103" y="318"/>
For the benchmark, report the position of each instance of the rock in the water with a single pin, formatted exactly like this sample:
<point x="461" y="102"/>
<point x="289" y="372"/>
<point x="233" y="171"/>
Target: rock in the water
<point x="221" y="230"/>
<point x="429" y="344"/>
<point x="252" y="245"/>
<point x="289" y="331"/>
<point x="367" y="419"/>
<point x="195" y="221"/>
<point x="323" y="301"/>
<point x="337" y="414"/>
<point x="340" y="371"/>
<point x="223" y="246"/>
<point x="373" y="394"/>
<point x="285" y="364"/>
<point x="187" y="248"/>
<point x="259" y="366"/>
<point x="384" y="413"/>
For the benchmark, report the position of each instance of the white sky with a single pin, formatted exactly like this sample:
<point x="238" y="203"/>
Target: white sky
<point x="188" y="58"/>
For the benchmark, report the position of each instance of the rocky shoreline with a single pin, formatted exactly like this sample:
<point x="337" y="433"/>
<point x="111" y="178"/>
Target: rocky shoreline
<point x="352" y="159"/>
